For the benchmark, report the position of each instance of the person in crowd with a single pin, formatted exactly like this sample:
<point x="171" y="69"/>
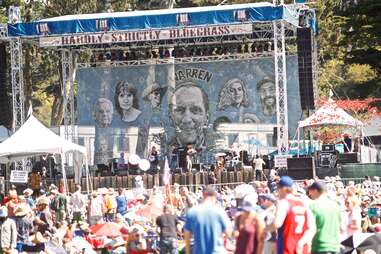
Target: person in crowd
<point x="154" y="159"/>
<point x="110" y="205"/>
<point x="78" y="202"/>
<point x="8" y="232"/>
<point x="96" y="208"/>
<point x="258" y="164"/>
<point x="24" y="226"/>
<point x="59" y="205"/>
<point x="35" y="180"/>
<point x="28" y="197"/>
<point x="167" y="225"/>
<point x="121" y="202"/>
<point x="293" y="220"/>
<point x="206" y="223"/>
<point x="189" y="200"/>
<point x="43" y="219"/>
<point x="126" y="101"/>
<point x="354" y="218"/>
<point x="249" y="228"/>
<point x="12" y="203"/>
<point x="121" y="162"/>
<point x="267" y="203"/>
<point x="136" y="243"/>
<point x="327" y="217"/>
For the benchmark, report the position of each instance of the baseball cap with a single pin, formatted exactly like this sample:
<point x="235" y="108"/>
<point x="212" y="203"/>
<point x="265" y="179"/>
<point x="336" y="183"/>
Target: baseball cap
<point x="286" y="181"/>
<point x="268" y="196"/>
<point x="317" y="185"/>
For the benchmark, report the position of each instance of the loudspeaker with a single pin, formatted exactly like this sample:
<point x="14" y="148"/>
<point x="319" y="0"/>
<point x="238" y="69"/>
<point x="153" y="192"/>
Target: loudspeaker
<point x="275" y="136"/>
<point x="306" y="88"/>
<point x="244" y="157"/>
<point x="301" y="168"/>
<point x="5" y="91"/>
<point x="182" y="155"/>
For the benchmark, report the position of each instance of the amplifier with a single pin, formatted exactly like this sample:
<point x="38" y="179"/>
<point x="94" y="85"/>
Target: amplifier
<point x="328" y="148"/>
<point x="343" y="158"/>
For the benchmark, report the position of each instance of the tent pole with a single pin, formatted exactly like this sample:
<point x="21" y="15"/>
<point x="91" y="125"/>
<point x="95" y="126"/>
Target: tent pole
<point x="88" y="182"/>
<point x="64" y="172"/>
<point x="298" y="140"/>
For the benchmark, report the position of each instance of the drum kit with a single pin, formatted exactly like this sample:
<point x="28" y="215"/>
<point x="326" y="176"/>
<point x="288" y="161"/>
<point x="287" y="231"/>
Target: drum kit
<point x="135" y="165"/>
<point x="228" y="160"/>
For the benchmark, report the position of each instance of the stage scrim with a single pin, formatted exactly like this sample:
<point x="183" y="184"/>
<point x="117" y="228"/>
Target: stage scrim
<point x="182" y="103"/>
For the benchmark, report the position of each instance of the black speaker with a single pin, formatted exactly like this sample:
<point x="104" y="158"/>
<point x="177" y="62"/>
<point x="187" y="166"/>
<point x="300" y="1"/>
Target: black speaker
<point x="275" y="136"/>
<point x="306" y="88"/>
<point x="5" y="90"/>
<point x="301" y="168"/>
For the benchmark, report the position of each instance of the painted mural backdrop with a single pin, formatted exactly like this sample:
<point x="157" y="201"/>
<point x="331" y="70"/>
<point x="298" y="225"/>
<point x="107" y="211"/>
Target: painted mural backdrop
<point x="188" y="100"/>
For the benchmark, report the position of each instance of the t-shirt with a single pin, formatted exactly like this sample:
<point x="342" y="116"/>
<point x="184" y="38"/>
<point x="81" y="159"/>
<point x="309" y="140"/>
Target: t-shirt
<point x="121" y="203"/>
<point x="258" y="164"/>
<point x="207" y="223"/>
<point x="328" y="220"/>
<point x="167" y="224"/>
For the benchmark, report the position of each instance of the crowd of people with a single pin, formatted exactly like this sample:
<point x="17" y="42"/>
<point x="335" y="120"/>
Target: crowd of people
<point x="278" y="216"/>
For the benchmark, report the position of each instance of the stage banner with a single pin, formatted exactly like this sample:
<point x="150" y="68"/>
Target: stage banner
<point x="182" y="103"/>
<point x="146" y="35"/>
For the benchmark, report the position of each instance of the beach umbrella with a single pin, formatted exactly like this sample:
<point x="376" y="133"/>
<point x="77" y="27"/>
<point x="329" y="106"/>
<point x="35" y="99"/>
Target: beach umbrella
<point x="361" y="242"/>
<point x="109" y="229"/>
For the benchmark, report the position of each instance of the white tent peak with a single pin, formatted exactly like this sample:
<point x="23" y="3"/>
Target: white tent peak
<point x="33" y="138"/>
<point x="330" y="114"/>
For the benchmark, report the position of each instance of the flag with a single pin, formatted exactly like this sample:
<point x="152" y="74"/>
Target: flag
<point x="167" y="173"/>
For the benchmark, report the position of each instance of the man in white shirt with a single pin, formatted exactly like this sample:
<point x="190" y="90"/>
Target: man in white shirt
<point x="78" y="202"/>
<point x="258" y="166"/>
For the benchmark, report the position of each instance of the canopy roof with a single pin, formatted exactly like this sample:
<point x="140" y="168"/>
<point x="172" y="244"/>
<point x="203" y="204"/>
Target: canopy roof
<point x="153" y="19"/>
<point x="330" y="114"/>
<point x="33" y="138"/>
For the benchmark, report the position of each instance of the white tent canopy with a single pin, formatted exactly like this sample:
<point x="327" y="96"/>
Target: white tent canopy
<point x="330" y="114"/>
<point x="33" y="139"/>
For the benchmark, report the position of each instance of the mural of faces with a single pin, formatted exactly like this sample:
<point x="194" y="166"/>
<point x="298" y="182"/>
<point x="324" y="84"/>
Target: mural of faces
<point x="234" y="94"/>
<point x="154" y="94"/>
<point x="267" y="94"/>
<point x="189" y="113"/>
<point x="126" y="101"/>
<point x="103" y="110"/>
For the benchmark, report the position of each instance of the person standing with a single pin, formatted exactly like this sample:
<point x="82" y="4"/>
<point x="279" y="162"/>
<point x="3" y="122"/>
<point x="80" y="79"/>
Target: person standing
<point x="293" y="220"/>
<point x="121" y="202"/>
<point x="267" y="203"/>
<point x="206" y="223"/>
<point x="258" y="163"/>
<point x="327" y="216"/>
<point x="96" y="208"/>
<point x="78" y="202"/>
<point x="8" y="232"/>
<point x="249" y="229"/>
<point x="167" y="224"/>
<point x="24" y="226"/>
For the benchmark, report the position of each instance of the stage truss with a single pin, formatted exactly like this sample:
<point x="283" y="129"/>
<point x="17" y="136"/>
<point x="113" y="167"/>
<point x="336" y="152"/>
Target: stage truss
<point x="280" y="33"/>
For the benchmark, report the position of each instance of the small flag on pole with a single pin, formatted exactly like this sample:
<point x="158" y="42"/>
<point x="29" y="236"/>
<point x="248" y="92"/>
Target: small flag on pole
<point x="167" y="173"/>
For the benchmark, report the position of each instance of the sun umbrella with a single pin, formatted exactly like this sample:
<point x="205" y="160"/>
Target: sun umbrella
<point x="360" y="242"/>
<point x="109" y="229"/>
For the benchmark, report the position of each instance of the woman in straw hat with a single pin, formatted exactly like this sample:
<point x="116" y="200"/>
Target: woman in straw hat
<point x="24" y="225"/>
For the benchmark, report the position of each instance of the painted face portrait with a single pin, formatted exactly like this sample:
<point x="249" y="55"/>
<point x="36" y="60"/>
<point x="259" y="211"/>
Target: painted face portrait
<point x="154" y="93"/>
<point x="103" y="111"/>
<point x="233" y="94"/>
<point x="155" y="99"/>
<point x="267" y="94"/>
<point x="188" y="109"/>
<point x="126" y="101"/>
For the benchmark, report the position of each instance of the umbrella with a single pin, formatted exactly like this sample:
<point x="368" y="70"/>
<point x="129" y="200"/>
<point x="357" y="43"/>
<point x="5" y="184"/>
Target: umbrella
<point x="80" y="243"/>
<point x="109" y="229"/>
<point x="360" y="242"/>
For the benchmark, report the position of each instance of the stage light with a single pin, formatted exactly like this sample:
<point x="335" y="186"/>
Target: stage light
<point x="161" y="53"/>
<point x="167" y="54"/>
<point x="101" y="57"/>
<point x="254" y="47"/>
<point x="246" y="48"/>
<point x="155" y="54"/>
<point x="108" y="56"/>
<point x="199" y="52"/>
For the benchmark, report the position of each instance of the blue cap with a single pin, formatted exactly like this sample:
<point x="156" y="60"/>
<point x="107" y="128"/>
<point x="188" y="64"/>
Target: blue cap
<point x="286" y="181"/>
<point x="268" y="196"/>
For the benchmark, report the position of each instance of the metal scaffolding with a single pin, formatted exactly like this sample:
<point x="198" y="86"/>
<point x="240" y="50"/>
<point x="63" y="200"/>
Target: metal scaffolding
<point x="17" y="83"/>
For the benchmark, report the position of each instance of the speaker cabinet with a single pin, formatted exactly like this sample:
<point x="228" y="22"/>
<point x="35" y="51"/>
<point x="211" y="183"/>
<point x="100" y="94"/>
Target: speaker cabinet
<point x="306" y="88"/>
<point x="5" y="90"/>
<point x="301" y="168"/>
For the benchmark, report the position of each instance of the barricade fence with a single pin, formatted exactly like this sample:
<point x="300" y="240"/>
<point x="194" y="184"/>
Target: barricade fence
<point x="191" y="180"/>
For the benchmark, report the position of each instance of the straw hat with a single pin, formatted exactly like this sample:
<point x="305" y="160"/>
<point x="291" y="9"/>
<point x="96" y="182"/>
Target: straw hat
<point x="28" y="192"/>
<point x="54" y="191"/>
<point x="43" y="201"/>
<point x="21" y="211"/>
<point x="38" y="238"/>
<point x="152" y="88"/>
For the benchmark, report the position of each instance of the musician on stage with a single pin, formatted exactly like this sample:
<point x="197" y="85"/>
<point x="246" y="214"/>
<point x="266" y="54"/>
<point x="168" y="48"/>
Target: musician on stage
<point x="191" y="153"/>
<point x="154" y="159"/>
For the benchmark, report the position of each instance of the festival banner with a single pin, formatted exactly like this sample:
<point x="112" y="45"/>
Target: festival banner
<point x="146" y="35"/>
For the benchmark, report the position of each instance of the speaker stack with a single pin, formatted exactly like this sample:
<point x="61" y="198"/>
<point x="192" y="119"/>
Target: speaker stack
<point x="306" y="87"/>
<point x="301" y="168"/>
<point x="5" y="90"/>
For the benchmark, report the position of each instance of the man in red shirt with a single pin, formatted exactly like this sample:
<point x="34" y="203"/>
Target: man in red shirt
<point x="293" y="220"/>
